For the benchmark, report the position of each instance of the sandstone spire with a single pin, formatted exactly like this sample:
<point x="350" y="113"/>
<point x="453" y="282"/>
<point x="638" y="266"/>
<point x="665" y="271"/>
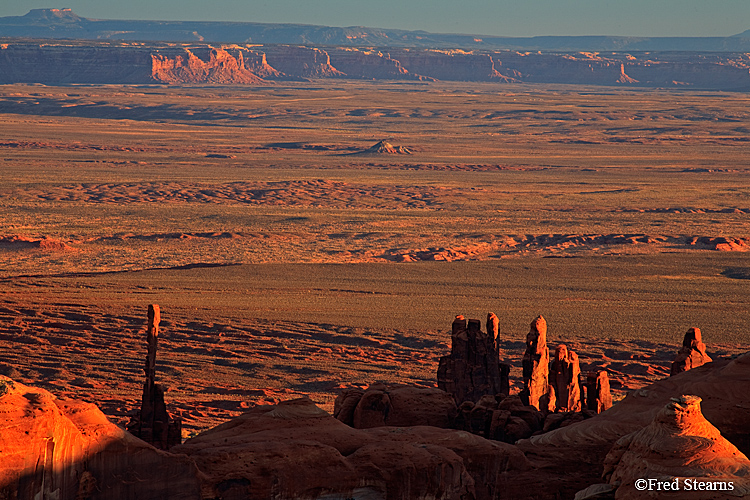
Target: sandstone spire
<point x="535" y="363"/>
<point x="153" y="423"/>
<point x="692" y="354"/>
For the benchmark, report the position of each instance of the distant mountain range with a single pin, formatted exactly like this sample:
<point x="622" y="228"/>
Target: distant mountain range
<point x="65" y="24"/>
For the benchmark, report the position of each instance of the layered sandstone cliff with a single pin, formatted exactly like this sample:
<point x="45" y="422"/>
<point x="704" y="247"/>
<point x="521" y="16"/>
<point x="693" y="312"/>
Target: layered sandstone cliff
<point x="125" y="63"/>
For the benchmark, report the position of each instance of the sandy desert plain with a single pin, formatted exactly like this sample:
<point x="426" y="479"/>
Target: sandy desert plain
<point x="288" y="260"/>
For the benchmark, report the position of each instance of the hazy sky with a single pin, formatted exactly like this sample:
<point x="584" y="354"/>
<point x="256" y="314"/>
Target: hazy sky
<point x="489" y="17"/>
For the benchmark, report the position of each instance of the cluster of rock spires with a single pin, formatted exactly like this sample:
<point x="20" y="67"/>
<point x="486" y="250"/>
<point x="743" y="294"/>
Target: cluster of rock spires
<point x="402" y="442"/>
<point x="64" y="62"/>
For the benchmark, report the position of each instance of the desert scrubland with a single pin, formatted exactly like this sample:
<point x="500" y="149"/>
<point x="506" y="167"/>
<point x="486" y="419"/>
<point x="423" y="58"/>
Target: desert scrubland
<point x="289" y="260"/>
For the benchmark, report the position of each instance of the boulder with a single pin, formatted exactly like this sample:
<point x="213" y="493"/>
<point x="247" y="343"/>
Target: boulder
<point x="397" y="405"/>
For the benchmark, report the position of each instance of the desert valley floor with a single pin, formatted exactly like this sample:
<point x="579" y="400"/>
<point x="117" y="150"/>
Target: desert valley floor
<point x="290" y="259"/>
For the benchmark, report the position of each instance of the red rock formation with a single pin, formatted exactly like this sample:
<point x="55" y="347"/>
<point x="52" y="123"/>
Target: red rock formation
<point x="65" y="449"/>
<point x="453" y="65"/>
<point x="202" y="65"/>
<point x="564" y="372"/>
<point x="679" y="447"/>
<point x="692" y="353"/>
<point x="296" y="450"/>
<point x="153" y="423"/>
<point x="722" y="385"/>
<point x="535" y="363"/>
<point x="473" y="368"/>
<point x="370" y="64"/>
<point x="598" y="396"/>
<point x="395" y="405"/>
<point x="303" y="62"/>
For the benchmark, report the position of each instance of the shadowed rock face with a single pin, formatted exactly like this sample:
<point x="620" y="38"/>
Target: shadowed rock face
<point x="395" y="405"/>
<point x="67" y="449"/>
<point x="296" y="450"/>
<point x="692" y="353"/>
<point x="564" y="372"/>
<point x="679" y="447"/>
<point x="473" y="368"/>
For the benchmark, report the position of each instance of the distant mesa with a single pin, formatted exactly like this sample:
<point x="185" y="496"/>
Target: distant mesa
<point x="219" y="155"/>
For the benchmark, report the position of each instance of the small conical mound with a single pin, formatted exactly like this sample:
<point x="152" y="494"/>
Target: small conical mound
<point x="679" y="448"/>
<point x="385" y="147"/>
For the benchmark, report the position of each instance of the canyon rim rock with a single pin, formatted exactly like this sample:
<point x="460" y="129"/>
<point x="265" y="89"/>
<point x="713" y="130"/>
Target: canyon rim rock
<point x="598" y="395"/>
<point x="564" y="373"/>
<point x="679" y="447"/>
<point x="153" y="423"/>
<point x="68" y="450"/>
<point x="473" y="367"/>
<point x="535" y="363"/>
<point x="296" y="450"/>
<point x="692" y="353"/>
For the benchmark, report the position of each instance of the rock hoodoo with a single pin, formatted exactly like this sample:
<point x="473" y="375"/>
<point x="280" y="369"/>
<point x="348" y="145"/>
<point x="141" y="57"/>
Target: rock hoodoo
<point x="680" y="446"/>
<point x="692" y="353"/>
<point x="598" y="396"/>
<point x="473" y="368"/>
<point x="153" y="423"/>
<point x="564" y="373"/>
<point x="535" y="363"/>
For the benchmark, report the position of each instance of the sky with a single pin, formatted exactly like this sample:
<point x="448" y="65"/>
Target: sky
<point x="486" y="17"/>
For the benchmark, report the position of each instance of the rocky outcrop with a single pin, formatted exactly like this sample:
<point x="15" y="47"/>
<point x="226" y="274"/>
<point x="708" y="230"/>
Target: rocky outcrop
<point x="153" y="423"/>
<point x="67" y="450"/>
<point x="536" y="364"/>
<point x="370" y="64"/>
<point x="721" y="384"/>
<point x="564" y="373"/>
<point x="385" y="147"/>
<point x="122" y="62"/>
<point x="692" y="353"/>
<point x="296" y="450"/>
<point x="395" y="405"/>
<point x="301" y="62"/>
<point x="473" y="367"/>
<point x="453" y="65"/>
<point x="598" y="395"/>
<point x="678" y="448"/>
<point x="202" y="65"/>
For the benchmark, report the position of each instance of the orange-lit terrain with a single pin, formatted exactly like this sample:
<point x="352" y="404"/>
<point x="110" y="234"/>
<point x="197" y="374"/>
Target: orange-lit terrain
<point x="290" y="260"/>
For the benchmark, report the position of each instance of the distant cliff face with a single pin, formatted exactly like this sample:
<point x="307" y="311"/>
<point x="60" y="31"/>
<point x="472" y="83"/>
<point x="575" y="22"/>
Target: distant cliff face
<point x="137" y="63"/>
